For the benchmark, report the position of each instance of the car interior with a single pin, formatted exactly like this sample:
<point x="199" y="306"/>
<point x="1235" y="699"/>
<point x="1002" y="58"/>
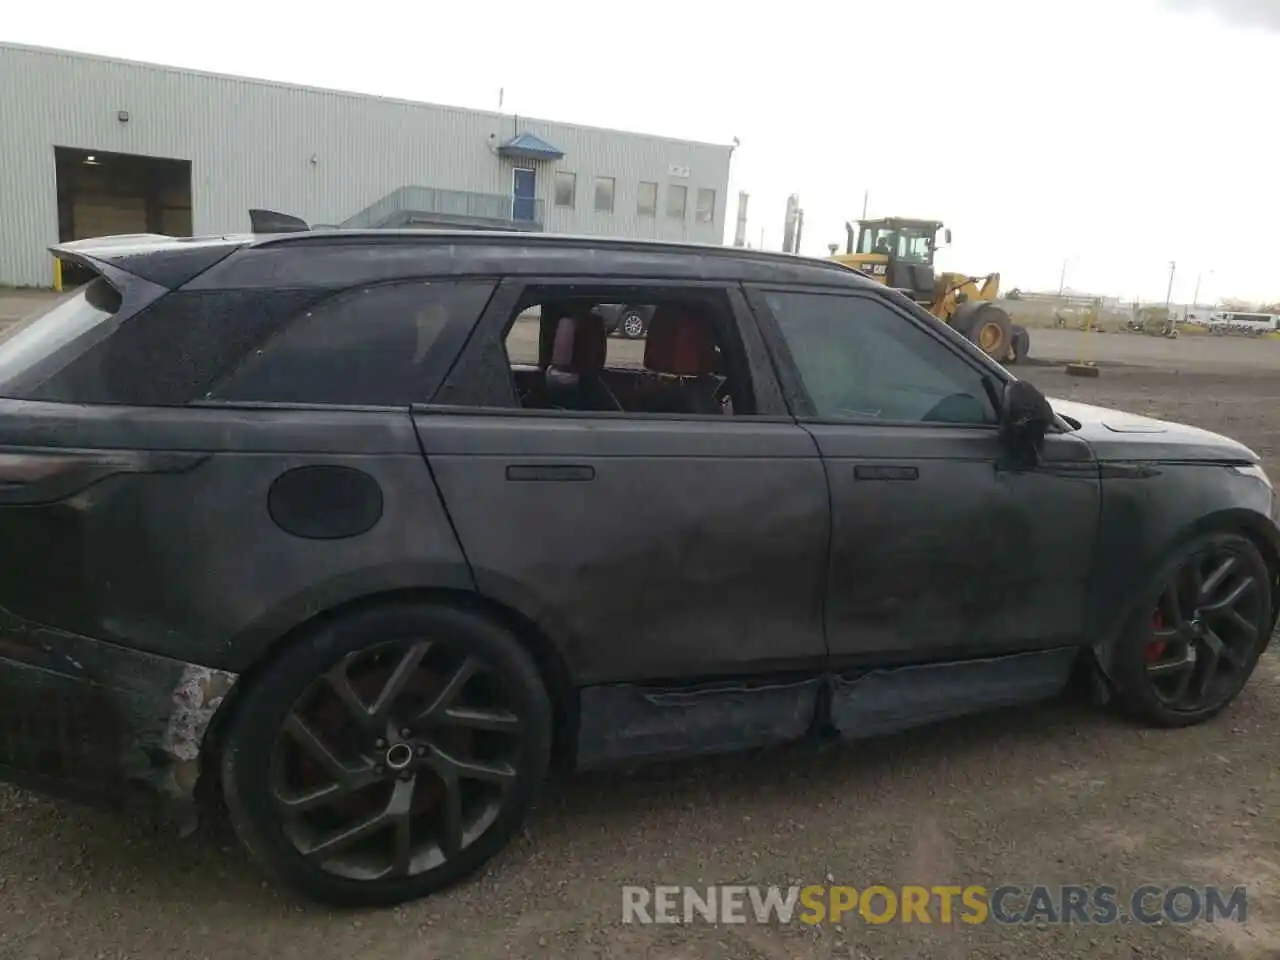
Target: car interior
<point x="689" y="363"/>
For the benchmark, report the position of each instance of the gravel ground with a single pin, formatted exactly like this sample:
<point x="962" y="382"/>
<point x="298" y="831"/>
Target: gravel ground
<point x="1061" y="793"/>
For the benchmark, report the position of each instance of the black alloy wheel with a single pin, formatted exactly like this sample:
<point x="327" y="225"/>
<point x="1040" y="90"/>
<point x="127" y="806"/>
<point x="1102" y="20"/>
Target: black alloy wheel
<point x="395" y="769"/>
<point x="1202" y="638"/>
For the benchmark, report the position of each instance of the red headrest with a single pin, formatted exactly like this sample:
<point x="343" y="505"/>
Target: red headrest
<point x="580" y="344"/>
<point x="679" y="343"/>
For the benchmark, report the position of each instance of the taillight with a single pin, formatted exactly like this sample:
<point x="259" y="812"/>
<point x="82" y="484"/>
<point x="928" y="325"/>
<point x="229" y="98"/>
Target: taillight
<point x="44" y="476"/>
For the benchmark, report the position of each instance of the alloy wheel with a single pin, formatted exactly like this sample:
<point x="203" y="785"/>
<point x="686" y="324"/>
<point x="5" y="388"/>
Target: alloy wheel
<point x="395" y="760"/>
<point x="1205" y="631"/>
<point x="633" y="325"/>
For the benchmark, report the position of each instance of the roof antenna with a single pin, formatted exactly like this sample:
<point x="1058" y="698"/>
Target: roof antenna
<point x="269" y="221"/>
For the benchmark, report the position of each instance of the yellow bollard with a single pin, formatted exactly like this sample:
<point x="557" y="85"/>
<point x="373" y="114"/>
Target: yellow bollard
<point x="1083" y="367"/>
<point x="57" y="274"/>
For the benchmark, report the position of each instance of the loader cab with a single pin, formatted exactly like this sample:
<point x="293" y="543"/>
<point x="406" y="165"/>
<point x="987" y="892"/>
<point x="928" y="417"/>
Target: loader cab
<point x="907" y="248"/>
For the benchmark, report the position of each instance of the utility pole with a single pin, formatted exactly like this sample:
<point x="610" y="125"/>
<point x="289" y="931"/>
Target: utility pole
<point x="1062" y="277"/>
<point x="1173" y="268"/>
<point x="1195" y="300"/>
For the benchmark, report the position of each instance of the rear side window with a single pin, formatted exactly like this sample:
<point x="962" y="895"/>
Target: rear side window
<point x="369" y="346"/>
<point x="32" y="344"/>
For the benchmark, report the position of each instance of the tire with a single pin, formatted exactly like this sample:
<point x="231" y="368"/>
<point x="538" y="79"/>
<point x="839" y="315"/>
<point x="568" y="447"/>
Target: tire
<point x="499" y="706"/>
<point x="1021" y="344"/>
<point x="632" y="323"/>
<point x="1148" y="663"/>
<point x="987" y="325"/>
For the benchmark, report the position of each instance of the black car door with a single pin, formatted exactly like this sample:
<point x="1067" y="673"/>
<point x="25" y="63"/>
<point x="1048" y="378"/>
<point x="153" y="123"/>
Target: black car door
<point x="650" y="548"/>
<point x="941" y="546"/>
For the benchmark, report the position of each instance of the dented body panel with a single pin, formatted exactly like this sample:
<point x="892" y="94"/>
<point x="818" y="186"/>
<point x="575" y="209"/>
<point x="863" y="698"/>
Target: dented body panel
<point x="690" y="585"/>
<point x="100" y="722"/>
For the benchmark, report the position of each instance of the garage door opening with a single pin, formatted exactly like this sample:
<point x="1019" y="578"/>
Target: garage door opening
<point x="101" y="194"/>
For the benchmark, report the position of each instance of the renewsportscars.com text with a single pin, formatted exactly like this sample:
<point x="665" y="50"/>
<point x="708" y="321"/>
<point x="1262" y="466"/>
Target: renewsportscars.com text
<point x="914" y="904"/>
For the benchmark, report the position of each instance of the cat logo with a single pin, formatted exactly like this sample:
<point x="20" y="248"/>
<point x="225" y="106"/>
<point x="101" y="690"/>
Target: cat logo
<point x="877" y="269"/>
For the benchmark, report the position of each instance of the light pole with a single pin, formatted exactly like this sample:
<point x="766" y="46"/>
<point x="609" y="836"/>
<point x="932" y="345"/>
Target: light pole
<point x="1062" y="277"/>
<point x="1195" y="299"/>
<point x="1168" y="296"/>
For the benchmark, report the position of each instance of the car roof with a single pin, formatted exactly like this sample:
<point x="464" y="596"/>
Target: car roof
<point x="386" y="254"/>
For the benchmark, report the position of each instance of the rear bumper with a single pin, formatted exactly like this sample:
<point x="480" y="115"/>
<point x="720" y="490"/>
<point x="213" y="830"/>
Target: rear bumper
<point x="102" y="723"/>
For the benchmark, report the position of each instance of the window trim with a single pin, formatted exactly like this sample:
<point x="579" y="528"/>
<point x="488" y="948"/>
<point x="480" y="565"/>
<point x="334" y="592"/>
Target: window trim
<point x="792" y="383"/>
<point x="495" y="322"/>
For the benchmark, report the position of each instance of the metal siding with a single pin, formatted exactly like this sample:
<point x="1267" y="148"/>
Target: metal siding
<point x="251" y="144"/>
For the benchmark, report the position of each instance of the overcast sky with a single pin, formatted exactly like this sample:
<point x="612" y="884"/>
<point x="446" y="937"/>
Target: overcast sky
<point x="1112" y="135"/>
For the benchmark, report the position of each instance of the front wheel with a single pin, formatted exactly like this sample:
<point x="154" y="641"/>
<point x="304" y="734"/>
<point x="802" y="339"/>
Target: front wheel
<point x="1196" y="640"/>
<point x="387" y="755"/>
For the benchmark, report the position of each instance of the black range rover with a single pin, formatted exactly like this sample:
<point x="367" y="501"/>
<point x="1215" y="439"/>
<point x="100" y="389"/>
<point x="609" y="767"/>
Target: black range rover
<point x="311" y="520"/>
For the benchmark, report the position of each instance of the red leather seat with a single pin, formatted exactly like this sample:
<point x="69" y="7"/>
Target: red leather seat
<point x="577" y="357"/>
<point x="681" y="344"/>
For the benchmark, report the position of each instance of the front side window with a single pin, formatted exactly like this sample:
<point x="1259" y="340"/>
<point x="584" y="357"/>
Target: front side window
<point x="915" y="245"/>
<point x="860" y="360"/>
<point x="370" y="346"/>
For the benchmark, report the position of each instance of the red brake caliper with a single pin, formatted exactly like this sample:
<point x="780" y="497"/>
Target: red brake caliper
<point x="1155" y="649"/>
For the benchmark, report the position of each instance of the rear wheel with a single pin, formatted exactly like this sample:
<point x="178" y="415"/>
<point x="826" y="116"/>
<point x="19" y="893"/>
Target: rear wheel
<point x="389" y="755"/>
<point x="1189" y="651"/>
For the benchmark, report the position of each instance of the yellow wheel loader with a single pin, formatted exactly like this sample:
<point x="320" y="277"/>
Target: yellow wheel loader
<point x="899" y="252"/>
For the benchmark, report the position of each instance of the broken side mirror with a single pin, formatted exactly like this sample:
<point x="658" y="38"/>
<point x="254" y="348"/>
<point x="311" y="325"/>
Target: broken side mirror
<point x="1025" y="417"/>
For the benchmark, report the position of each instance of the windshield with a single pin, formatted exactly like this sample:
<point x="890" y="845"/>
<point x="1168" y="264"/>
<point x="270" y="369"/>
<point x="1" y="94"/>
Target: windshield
<point x="911" y="244"/>
<point x="30" y="341"/>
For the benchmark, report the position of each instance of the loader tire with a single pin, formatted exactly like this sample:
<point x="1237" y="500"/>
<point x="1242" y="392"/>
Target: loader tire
<point x="1021" y="344"/>
<point x="986" y="325"/>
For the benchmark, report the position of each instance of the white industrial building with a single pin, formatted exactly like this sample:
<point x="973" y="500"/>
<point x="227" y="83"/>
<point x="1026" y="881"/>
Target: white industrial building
<point x="93" y="146"/>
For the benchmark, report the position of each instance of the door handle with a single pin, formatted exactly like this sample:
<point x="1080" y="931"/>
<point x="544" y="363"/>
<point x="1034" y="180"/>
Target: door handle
<point x="885" y="472"/>
<point x="550" y="472"/>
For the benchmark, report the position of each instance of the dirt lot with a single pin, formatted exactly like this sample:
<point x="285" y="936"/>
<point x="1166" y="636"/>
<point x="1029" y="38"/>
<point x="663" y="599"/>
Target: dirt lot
<point x="1063" y="793"/>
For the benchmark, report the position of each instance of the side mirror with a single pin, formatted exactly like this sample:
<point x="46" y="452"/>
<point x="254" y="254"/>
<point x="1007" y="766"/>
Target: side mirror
<point x="946" y="236"/>
<point x="1025" y="417"/>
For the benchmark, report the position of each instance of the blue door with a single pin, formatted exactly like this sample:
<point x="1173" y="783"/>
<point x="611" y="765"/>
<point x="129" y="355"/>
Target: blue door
<point x="522" y="194"/>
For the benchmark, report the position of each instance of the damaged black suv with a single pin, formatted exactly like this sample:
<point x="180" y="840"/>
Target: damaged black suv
<point x="364" y="530"/>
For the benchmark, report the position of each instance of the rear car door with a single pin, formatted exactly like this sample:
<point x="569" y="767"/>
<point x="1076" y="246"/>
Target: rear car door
<point x="941" y="547"/>
<point x="676" y="560"/>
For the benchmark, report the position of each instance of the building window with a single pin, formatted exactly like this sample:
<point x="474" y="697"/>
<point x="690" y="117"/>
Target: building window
<point x="566" y="188"/>
<point x="604" y="194"/>
<point x="706" y="209"/>
<point x="677" y="199"/>
<point x="647" y="199"/>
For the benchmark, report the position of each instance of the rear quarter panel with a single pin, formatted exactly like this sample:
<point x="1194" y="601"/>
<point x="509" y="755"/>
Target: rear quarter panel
<point x="191" y="565"/>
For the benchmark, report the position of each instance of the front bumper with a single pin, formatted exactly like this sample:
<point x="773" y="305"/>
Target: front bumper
<point x="102" y="723"/>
